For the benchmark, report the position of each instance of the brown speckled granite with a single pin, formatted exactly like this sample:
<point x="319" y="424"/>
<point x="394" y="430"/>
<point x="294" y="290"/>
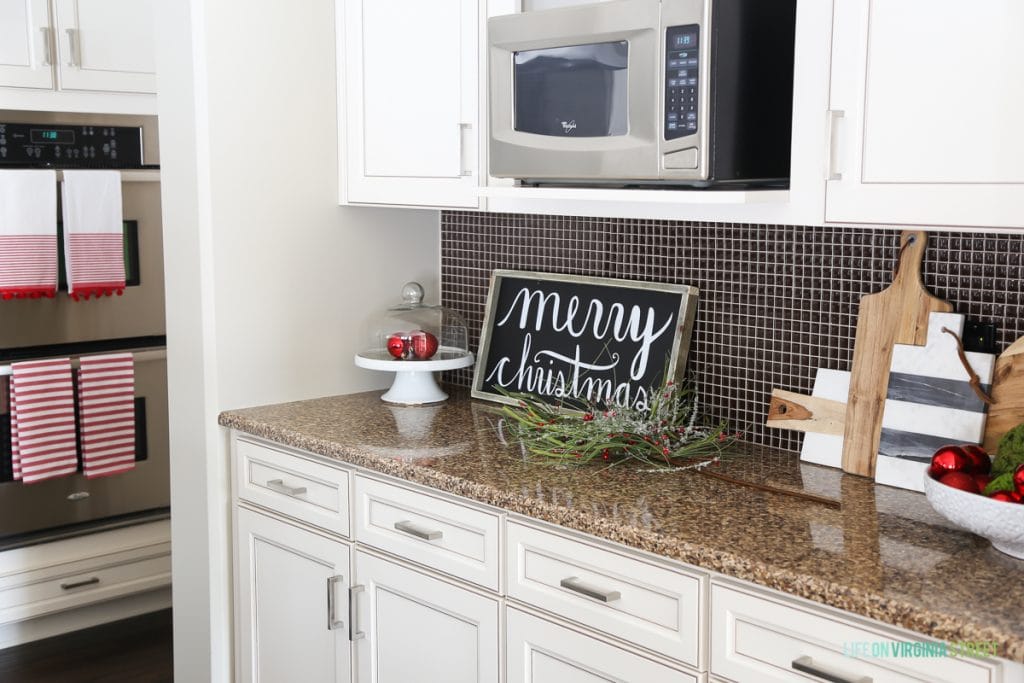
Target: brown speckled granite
<point x="885" y="554"/>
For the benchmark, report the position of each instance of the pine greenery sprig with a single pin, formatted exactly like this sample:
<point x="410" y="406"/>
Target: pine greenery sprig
<point x="665" y="434"/>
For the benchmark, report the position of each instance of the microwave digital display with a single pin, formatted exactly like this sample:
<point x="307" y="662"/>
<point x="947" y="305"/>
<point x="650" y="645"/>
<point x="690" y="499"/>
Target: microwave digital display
<point x="572" y="91"/>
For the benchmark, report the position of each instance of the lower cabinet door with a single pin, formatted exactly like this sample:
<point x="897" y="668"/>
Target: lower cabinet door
<point x="540" y="651"/>
<point x="292" y="591"/>
<point x="410" y="627"/>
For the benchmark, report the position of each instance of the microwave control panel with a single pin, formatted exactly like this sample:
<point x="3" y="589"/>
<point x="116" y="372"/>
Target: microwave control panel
<point x="681" y="80"/>
<point x="24" y="145"/>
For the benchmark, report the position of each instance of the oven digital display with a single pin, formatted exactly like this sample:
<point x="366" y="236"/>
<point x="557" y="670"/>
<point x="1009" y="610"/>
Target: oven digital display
<point x="52" y="136"/>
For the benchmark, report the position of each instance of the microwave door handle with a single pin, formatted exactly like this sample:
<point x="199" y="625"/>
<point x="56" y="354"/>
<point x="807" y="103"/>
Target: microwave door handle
<point x="465" y="130"/>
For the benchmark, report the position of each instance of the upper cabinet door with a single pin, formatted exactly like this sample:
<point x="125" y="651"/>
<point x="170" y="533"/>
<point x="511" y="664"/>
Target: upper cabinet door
<point x="925" y="105"/>
<point x="106" y="45"/>
<point x="25" y="44"/>
<point x="409" y="102"/>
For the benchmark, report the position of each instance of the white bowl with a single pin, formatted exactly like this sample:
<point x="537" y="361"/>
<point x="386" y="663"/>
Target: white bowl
<point x="998" y="521"/>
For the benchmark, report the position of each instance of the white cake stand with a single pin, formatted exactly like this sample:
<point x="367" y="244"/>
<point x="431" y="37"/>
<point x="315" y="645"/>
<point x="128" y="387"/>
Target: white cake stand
<point x="414" y="383"/>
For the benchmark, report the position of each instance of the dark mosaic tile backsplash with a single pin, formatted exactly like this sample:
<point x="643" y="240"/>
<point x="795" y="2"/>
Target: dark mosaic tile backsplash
<point x="776" y="302"/>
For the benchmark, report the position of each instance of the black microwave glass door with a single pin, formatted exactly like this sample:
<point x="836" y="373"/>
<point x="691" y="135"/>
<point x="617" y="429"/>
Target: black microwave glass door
<point x="573" y="91"/>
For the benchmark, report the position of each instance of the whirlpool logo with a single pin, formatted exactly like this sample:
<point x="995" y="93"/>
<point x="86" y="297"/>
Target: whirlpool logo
<point x="568" y="126"/>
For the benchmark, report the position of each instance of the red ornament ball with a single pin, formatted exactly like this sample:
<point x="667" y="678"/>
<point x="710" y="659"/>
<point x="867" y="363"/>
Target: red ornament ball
<point x="982" y="480"/>
<point x="949" y="459"/>
<point x="1018" y="479"/>
<point x="1007" y="496"/>
<point x="396" y="345"/>
<point x="424" y="344"/>
<point x="960" y="480"/>
<point x="980" y="462"/>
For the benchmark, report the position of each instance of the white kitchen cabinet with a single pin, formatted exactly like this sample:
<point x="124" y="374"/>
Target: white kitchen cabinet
<point x="106" y="45"/>
<point x="85" y="56"/>
<point x="292" y="610"/>
<point x="924" y="111"/>
<point x="413" y="627"/>
<point x="408" y="102"/>
<point x="758" y="636"/>
<point x="539" y="651"/>
<point x="25" y="35"/>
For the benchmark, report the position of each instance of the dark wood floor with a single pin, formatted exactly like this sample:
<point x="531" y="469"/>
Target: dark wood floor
<point x="136" y="650"/>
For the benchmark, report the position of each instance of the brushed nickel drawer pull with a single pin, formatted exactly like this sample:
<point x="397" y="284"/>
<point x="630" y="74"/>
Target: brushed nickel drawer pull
<point x="410" y="528"/>
<point x="78" y="584"/>
<point x="806" y="665"/>
<point x="574" y="584"/>
<point x="279" y="486"/>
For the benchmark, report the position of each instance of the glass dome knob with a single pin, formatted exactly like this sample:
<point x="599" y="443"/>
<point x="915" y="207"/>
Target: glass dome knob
<point x="412" y="293"/>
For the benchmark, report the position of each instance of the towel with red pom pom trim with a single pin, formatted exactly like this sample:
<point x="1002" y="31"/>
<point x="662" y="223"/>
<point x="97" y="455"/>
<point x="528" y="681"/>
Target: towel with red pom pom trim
<point x="28" y="234"/>
<point x="93" y="233"/>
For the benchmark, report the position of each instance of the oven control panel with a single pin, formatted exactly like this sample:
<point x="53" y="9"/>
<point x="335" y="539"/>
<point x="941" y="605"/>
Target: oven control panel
<point x="25" y="145"/>
<point x="681" y="80"/>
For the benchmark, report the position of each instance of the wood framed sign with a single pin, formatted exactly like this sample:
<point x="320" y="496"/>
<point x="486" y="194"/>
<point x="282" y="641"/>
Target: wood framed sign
<point x="567" y="338"/>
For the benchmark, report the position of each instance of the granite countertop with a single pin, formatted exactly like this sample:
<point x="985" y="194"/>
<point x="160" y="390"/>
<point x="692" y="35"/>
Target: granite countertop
<point x="883" y="553"/>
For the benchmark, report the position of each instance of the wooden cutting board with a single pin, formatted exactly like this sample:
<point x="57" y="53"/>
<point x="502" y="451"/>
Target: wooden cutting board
<point x="896" y="315"/>
<point x="790" y="410"/>
<point x="1007" y="395"/>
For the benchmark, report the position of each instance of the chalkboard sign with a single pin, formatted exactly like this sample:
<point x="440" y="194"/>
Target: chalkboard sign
<point x="565" y="338"/>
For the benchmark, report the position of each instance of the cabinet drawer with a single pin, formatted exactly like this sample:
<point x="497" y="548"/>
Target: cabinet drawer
<point x="36" y="593"/>
<point x="452" y="538"/>
<point x="758" y="637"/>
<point x="540" y="651"/>
<point x="292" y="485"/>
<point x="614" y="593"/>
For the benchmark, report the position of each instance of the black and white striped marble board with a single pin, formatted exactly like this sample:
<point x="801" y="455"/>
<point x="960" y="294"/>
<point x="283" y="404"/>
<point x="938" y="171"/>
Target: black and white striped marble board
<point x="929" y="403"/>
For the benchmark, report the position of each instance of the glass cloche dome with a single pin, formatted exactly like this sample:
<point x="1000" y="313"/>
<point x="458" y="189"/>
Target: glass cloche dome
<point x="414" y="331"/>
<point x="414" y="341"/>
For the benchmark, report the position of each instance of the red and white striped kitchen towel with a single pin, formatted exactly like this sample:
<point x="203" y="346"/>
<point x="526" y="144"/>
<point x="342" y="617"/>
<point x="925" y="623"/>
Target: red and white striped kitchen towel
<point x="93" y="233"/>
<point x="106" y="390"/>
<point x="43" y="420"/>
<point x="28" y="234"/>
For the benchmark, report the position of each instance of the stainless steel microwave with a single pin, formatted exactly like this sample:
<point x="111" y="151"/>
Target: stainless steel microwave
<point x="643" y="92"/>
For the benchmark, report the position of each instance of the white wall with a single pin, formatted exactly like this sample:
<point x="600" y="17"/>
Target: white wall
<point x="268" y="280"/>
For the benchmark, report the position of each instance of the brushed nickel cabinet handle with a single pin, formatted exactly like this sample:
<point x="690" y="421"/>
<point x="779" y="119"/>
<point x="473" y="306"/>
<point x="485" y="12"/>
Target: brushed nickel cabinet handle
<point x="279" y="486"/>
<point x="831" y="173"/>
<point x="574" y="584"/>
<point x="806" y="665"/>
<point x="354" y="635"/>
<point x="47" y="46"/>
<point x="332" y="609"/>
<point x="78" y="584"/>
<point x="74" y="47"/>
<point x="405" y="526"/>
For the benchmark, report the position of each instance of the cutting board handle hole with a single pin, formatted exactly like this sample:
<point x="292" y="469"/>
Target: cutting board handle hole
<point x="783" y="409"/>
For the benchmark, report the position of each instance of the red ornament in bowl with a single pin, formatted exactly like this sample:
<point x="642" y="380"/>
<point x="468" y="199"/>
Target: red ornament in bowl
<point x="982" y="480"/>
<point x="397" y="345"/>
<point x="949" y="459"/>
<point x="980" y="462"/>
<point x="1018" y="479"/>
<point x="424" y="344"/>
<point x="960" y="480"/>
<point x="1006" y="496"/>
